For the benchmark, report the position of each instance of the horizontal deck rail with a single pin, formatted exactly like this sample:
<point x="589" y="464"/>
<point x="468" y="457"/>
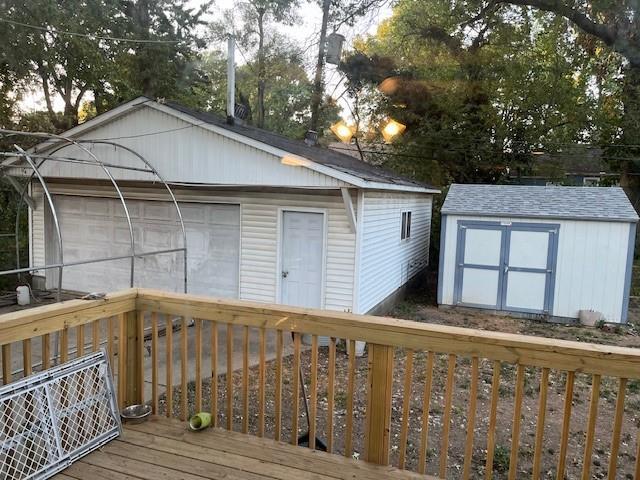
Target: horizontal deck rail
<point x="185" y="353"/>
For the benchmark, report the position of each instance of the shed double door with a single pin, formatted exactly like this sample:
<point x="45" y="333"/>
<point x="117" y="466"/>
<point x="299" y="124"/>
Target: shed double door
<point x="506" y="266"/>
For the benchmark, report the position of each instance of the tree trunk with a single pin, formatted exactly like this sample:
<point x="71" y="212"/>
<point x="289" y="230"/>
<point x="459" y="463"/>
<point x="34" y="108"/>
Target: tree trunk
<point x="316" y="99"/>
<point x="261" y="69"/>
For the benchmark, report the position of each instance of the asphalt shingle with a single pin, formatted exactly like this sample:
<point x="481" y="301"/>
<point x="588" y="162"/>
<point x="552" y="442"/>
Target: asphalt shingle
<point x="589" y="203"/>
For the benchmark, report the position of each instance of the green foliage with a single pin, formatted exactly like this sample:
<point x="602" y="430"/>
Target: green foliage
<point x="8" y="208"/>
<point x="501" y="459"/>
<point x="69" y="66"/>
<point x="476" y="100"/>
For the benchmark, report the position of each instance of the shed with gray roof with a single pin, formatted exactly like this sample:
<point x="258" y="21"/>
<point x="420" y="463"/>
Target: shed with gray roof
<point x="552" y="252"/>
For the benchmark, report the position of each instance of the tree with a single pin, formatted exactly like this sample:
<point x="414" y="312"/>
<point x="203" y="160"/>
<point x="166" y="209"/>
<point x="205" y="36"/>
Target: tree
<point x="166" y="65"/>
<point x="111" y="48"/>
<point x="257" y="32"/>
<point x="287" y="88"/>
<point x="616" y="26"/>
<point x="476" y="100"/>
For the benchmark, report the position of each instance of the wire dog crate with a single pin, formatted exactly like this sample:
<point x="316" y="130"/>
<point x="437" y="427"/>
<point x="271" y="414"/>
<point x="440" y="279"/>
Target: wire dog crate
<point x="52" y="418"/>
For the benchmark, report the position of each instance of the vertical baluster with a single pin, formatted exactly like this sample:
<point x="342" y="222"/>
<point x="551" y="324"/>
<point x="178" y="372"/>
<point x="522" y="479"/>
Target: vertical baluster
<point x="295" y="402"/>
<point x="6" y="363"/>
<point x="26" y="357"/>
<point x="198" y="340"/>
<point x="331" y="380"/>
<point x="348" y="440"/>
<point x="95" y="336"/>
<point x="46" y="352"/>
<point x="110" y="340"/>
<point x="406" y="403"/>
<point x="591" y="427"/>
<point x="515" y="428"/>
<point x="313" y="392"/>
<point x="446" y="425"/>
<point x="154" y="362"/>
<point x="79" y="341"/>
<point x="183" y="370"/>
<point x="617" y="429"/>
<point x="426" y="406"/>
<point x="64" y="345"/>
<point x="169" y="365"/>
<point x="140" y="334"/>
<point x="491" y="433"/>
<point x="278" y="386"/>
<point x="245" y="379"/>
<point x="566" y="424"/>
<point x="471" y="419"/>
<point x="261" y="381"/>
<point x="214" y="373"/>
<point x="229" y="376"/>
<point x="542" y="412"/>
<point x="122" y="353"/>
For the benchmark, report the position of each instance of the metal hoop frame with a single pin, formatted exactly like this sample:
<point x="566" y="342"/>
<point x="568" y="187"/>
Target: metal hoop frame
<point x="93" y="160"/>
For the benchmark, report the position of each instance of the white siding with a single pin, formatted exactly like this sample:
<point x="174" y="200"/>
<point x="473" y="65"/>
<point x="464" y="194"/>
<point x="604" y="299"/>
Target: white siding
<point x="259" y="237"/>
<point x="386" y="261"/>
<point x="37" y="231"/>
<point x="183" y="153"/>
<point x="591" y="266"/>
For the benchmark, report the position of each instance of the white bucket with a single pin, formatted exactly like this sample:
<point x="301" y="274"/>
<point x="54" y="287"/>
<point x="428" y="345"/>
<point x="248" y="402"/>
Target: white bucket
<point x="23" y="295"/>
<point x="589" y="318"/>
<point x="360" y="348"/>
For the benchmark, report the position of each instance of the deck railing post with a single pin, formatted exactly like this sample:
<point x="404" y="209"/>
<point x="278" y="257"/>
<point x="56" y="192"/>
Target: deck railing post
<point x="378" y="416"/>
<point x="133" y="360"/>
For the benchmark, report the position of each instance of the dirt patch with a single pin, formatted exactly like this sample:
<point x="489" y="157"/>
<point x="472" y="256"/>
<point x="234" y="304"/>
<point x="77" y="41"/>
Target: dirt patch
<point x="416" y="310"/>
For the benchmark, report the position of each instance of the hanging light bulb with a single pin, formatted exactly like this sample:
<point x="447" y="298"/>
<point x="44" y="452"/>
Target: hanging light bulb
<point x="343" y="131"/>
<point x="391" y="130"/>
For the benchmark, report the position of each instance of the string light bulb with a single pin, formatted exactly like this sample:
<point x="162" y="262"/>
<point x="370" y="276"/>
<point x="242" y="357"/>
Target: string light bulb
<point x="343" y="131"/>
<point x="391" y="130"/>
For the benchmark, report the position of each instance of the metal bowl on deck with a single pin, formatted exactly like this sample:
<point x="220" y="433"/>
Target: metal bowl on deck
<point x="135" y="413"/>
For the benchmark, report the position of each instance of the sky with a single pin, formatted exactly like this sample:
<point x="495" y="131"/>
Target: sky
<point x="305" y="33"/>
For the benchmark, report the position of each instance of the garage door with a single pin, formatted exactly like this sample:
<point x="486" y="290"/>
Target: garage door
<point x="506" y="266"/>
<point x="97" y="227"/>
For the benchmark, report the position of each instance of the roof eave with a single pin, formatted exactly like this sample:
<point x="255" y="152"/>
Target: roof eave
<point x="549" y="217"/>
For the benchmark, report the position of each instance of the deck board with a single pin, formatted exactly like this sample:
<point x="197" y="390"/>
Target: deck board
<point x="164" y="449"/>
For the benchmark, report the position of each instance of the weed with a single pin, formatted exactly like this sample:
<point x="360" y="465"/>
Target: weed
<point x="501" y="456"/>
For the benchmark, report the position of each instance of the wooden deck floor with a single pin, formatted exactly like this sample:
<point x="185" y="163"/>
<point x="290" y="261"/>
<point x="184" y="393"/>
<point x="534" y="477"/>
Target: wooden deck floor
<point x="163" y="449"/>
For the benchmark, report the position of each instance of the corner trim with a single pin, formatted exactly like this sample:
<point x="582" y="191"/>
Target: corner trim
<point x="626" y="292"/>
<point x="443" y="241"/>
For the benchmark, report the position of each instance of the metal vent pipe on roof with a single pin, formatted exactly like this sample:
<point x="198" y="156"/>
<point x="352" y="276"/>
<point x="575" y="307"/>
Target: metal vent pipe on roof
<point x="231" y="79"/>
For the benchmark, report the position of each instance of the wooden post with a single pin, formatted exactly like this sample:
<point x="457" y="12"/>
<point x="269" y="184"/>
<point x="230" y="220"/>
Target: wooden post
<point x="379" y="389"/>
<point x="133" y="359"/>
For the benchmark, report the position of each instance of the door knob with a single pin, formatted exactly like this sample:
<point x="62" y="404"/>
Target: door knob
<point x="285" y="274"/>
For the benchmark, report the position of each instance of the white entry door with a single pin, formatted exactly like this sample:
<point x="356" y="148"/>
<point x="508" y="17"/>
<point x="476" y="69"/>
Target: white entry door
<point x="302" y="259"/>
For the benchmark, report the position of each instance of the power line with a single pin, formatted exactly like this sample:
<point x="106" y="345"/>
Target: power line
<point x="86" y="35"/>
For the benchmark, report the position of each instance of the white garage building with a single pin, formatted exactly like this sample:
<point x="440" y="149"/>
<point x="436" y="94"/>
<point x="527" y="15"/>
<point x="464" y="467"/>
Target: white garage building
<point x="543" y="251"/>
<point x="267" y="218"/>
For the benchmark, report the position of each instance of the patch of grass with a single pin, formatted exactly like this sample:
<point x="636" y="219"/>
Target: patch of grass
<point x="501" y="456"/>
<point x="340" y="399"/>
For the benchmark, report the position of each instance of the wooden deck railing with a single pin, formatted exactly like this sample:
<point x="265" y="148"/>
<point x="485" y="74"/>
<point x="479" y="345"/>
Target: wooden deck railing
<point x="464" y="403"/>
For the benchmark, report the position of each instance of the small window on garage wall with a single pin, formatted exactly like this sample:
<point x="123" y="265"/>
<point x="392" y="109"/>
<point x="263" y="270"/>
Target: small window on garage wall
<point x="405" y="232"/>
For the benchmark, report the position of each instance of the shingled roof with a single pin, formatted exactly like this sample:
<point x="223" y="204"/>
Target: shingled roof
<point x="588" y="203"/>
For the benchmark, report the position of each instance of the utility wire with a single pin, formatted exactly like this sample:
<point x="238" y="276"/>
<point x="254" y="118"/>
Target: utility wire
<point x="86" y="35"/>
